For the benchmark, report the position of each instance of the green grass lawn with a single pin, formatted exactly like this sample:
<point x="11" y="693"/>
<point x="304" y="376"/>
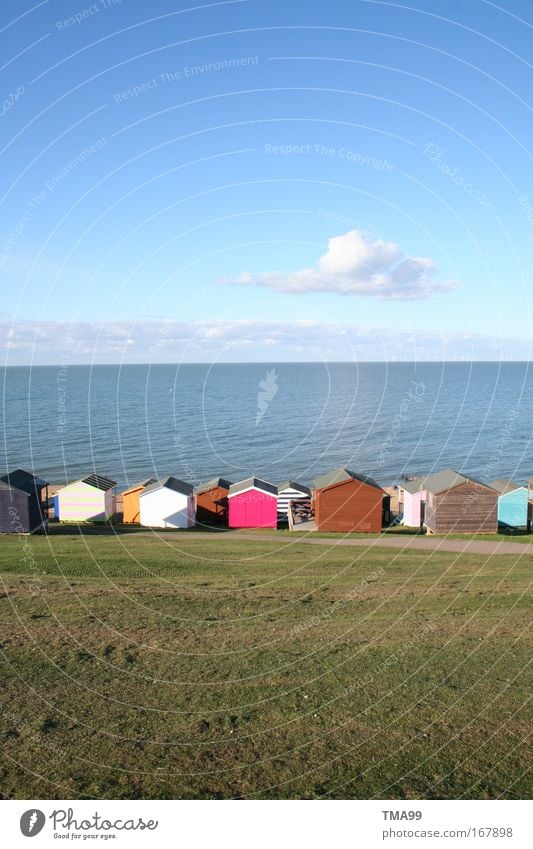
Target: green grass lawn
<point x="92" y="529"/>
<point x="407" y="531"/>
<point x="167" y="667"/>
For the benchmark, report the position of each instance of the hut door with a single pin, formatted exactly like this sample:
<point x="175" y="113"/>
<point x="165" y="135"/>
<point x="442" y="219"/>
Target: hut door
<point x="253" y="514"/>
<point x="422" y="513"/>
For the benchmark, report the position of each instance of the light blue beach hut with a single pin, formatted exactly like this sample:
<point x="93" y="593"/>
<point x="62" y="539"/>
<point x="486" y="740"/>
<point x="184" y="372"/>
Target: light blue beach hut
<point x="514" y="504"/>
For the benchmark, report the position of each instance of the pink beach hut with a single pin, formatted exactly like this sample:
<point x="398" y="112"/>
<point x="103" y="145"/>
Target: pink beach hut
<point x="414" y="500"/>
<point x="253" y="503"/>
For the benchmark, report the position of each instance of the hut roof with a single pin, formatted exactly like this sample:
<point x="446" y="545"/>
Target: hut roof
<point x="339" y="476"/>
<point x="214" y="483"/>
<point x="413" y="485"/>
<point x="300" y="487"/>
<point x="253" y="483"/>
<point x="11" y="487"/>
<point x="441" y="481"/>
<point x="503" y="485"/>
<point x="169" y="482"/>
<point x="23" y="480"/>
<point x="99" y="482"/>
<point x="140" y="485"/>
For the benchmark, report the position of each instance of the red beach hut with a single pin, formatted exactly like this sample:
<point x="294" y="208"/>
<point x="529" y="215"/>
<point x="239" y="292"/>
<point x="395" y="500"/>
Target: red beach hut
<point x="253" y="503"/>
<point x="345" y="501"/>
<point x="212" y="502"/>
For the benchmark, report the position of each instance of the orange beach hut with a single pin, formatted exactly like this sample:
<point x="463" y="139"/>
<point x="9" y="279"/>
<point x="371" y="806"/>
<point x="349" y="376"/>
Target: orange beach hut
<point x="131" y="509"/>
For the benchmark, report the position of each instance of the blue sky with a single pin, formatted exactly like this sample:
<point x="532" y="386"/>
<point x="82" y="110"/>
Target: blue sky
<point x="265" y="180"/>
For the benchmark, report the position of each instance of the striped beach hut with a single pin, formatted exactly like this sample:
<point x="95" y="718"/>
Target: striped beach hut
<point x="212" y="502"/>
<point x="23" y="503"/>
<point x="514" y="503"/>
<point x="90" y="499"/>
<point x="348" y="502"/>
<point x="290" y="491"/>
<point x="253" y="503"/>
<point x="168" y="503"/>
<point x="130" y="502"/>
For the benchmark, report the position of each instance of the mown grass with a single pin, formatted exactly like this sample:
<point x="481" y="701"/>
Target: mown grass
<point x="164" y="667"/>
<point x="408" y="531"/>
<point x="117" y="529"/>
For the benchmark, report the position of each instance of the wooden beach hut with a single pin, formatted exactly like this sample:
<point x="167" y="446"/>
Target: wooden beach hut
<point x="253" y="503"/>
<point x="90" y="499"/>
<point x="290" y="491"/>
<point x="347" y="502"/>
<point x="130" y="502"/>
<point x="514" y="504"/>
<point x="457" y="503"/>
<point x="23" y="503"/>
<point x="212" y="502"/>
<point x="168" y="503"/>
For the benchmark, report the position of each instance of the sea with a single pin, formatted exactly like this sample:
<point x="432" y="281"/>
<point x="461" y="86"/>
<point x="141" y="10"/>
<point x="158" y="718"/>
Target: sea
<point x="276" y="421"/>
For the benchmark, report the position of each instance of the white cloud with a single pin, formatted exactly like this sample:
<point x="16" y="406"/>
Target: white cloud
<point x="167" y="340"/>
<point x="356" y="265"/>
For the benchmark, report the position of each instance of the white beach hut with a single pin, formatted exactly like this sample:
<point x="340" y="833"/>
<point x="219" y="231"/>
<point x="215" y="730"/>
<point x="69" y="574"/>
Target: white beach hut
<point x="168" y="503"/>
<point x="91" y="499"/>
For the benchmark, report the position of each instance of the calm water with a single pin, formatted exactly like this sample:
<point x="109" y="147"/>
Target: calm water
<point x="199" y="421"/>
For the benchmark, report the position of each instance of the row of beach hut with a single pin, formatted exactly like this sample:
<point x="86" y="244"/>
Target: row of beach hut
<point x="447" y="502"/>
<point x="341" y="501"/>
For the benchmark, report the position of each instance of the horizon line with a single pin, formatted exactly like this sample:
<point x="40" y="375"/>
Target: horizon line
<point x="265" y="362"/>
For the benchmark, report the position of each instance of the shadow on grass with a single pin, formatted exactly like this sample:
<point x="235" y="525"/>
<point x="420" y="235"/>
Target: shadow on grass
<point x="117" y="529"/>
<point x="508" y="531"/>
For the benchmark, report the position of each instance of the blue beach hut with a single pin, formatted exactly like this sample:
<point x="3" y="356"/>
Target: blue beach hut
<point x="514" y="505"/>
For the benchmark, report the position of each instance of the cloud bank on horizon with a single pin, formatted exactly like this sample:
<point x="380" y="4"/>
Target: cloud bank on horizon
<point x="354" y="264"/>
<point x="156" y="340"/>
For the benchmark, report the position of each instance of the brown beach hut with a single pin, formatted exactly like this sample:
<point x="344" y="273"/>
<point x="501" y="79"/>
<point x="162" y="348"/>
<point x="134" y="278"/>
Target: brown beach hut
<point x="212" y="502"/>
<point x="345" y="501"/>
<point x="131" y="509"/>
<point x="457" y="503"/>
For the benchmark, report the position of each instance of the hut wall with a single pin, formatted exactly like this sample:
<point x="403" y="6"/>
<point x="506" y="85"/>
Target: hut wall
<point x="253" y="509"/>
<point x="131" y="508"/>
<point x="36" y="509"/>
<point x="208" y="511"/>
<point x="290" y="494"/>
<point x="14" y="512"/>
<point x="166" y="508"/>
<point x="82" y="503"/>
<point x="468" y="508"/>
<point x="385" y="511"/>
<point x="412" y="507"/>
<point x="513" y="508"/>
<point x="349" y="506"/>
<point x="110" y="503"/>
